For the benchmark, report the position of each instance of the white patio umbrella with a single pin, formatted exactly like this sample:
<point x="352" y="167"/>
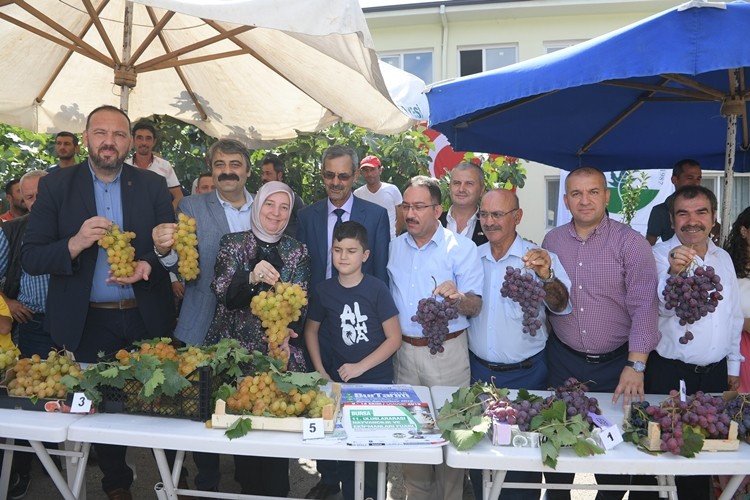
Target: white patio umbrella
<point x="256" y="70"/>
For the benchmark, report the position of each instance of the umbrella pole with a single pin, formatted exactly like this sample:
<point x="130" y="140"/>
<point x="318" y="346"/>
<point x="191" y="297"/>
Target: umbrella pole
<point x="127" y="36"/>
<point x="726" y="199"/>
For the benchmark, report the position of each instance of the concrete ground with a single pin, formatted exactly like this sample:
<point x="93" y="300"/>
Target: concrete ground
<point x="302" y="474"/>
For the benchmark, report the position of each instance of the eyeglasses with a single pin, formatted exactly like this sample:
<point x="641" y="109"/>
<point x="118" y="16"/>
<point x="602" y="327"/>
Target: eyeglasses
<point x="417" y="208"/>
<point x="332" y="175"/>
<point x="495" y="215"/>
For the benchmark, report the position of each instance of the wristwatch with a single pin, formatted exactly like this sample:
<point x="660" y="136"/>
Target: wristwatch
<point x="159" y="255"/>
<point x="638" y="366"/>
<point x="551" y="276"/>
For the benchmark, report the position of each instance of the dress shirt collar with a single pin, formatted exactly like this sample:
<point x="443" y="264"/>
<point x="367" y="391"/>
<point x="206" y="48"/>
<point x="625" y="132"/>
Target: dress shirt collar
<point x="515" y="250"/>
<point x="470" y="224"/>
<point x="96" y="179"/>
<point x="347" y="206"/>
<point x="437" y="238"/>
<point x="245" y="206"/>
<point x="602" y="226"/>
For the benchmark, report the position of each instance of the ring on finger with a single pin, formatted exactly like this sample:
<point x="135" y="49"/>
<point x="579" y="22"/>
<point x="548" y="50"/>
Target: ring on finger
<point x="673" y="255"/>
<point x="261" y="275"/>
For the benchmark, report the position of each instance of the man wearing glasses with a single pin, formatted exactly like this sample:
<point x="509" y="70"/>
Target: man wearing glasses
<point x="315" y="225"/>
<point x="432" y="260"/>
<point x="502" y="350"/>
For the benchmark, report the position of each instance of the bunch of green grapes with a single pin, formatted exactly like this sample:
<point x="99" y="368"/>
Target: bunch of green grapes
<point x="185" y="245"/>
<point x="7" y="359"/>
<point x="318" y="404"/>
<point x="276" y="309"/>
<point x="120" y="253"/>
<point x="37" y="377"/>
<point x="191" y="358"/>
<point x="259" y="395"/>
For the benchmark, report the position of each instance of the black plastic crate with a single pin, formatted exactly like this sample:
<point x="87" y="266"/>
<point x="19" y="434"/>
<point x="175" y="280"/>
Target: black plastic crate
<point x="195" y="402"/>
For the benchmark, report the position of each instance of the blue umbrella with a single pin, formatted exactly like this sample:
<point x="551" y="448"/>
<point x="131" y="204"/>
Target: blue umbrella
<point x="671" y="86"/>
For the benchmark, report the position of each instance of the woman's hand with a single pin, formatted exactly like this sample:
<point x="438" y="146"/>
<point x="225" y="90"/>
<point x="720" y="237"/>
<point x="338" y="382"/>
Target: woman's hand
<point x="264" y="272"/>
<point x="285" y="345"/>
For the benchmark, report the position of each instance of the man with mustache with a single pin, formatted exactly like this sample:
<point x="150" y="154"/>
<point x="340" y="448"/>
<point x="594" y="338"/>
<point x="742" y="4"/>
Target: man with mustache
<point x="710" y="361"/>
<point x="225" y="210"/>
<point x="144" y="142"/>
<point x="500" y="351"/>
<point x="89" y="311"/>
<point x="315" y="225"/>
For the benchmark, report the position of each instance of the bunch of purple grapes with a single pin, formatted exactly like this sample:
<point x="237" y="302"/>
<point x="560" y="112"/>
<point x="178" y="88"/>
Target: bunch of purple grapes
<point x="693" y="297"/>
<point x="573" y="394"/>
<point x="433" y="315"/>
<point x="738" y="410"/>
<point x="517" y="413"/>
<point x="524" y="288"/>
<point x="699" y="410"/>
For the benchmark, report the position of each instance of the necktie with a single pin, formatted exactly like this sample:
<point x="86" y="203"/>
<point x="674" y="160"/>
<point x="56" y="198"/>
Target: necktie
<point x="339" y="212"/>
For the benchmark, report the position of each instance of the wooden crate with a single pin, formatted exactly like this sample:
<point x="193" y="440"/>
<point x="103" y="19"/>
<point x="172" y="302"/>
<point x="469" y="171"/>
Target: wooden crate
<point x="653" y="439"/>
<point x="222" y="420"/>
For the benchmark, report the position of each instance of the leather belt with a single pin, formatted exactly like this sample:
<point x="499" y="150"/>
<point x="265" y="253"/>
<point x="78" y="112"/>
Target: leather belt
<point x="692" y="367"/>
<point x="500" y="367"/>
<point x="422" y="341"/>
<point x="596" y="358"/>
<point x="122" y="304"/>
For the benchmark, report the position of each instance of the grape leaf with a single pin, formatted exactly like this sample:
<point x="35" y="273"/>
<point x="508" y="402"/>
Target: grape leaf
<point x="584" y="448"/>
<point x="564" y="436"/>
<point x="111" y="372"/>
<point x="464" y="439"/>
<point x="549" y="454"/>
<point x="693" y="442"/>
<point x="150" y="385"/>
<point x="144" y="367"/>
<point x="173" y="381"/>
<point x="239" y="428"/>
<point x="297" y="380"/>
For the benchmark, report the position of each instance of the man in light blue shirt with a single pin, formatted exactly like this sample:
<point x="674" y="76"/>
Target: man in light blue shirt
<point x="431" y="260"/>
<point x="499" y="350"/>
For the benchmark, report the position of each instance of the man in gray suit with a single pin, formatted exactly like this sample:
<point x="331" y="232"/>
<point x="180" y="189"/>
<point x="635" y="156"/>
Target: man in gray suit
<point x="225" y="210"/>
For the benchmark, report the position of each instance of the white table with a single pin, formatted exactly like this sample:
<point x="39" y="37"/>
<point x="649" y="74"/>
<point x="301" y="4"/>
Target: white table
<point x="161" y="434"/>
<point x="623" y="459"/>
<point x="37" y="428"/>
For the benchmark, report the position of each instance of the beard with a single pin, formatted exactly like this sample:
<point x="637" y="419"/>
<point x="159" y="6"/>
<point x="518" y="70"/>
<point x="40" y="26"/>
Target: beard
<point x="112" y="165"/>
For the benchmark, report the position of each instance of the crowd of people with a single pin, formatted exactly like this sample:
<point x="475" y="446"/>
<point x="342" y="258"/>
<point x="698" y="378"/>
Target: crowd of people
<point x="366" y="258"/>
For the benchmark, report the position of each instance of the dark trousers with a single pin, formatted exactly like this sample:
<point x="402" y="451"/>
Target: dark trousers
<point x="663" y="375"/>
<point x="32" y="339"/>
<point x="533" y="378"/>
<point x="262" y="475"/>
<point x="600" y="377"/>
<point x="109" y="330"/>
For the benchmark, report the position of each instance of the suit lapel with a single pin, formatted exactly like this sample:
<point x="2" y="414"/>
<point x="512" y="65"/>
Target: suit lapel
<point x="217" y="212"/>
<point x="86" y="184"/>
<point x="127" y="190"/>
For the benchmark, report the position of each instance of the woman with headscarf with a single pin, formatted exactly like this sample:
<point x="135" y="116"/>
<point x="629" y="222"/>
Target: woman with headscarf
<point x="249" y="262"/>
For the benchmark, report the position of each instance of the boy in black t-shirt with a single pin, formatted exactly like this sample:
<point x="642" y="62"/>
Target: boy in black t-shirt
<point x="355" y="315"/>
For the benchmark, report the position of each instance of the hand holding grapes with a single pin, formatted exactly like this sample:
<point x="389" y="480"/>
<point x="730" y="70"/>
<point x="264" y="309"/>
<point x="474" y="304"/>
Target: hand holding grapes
<point x="264" y="272"/>
<point x="91" y="231"/>
<point x="680" y="258"/>
<point x="539" y="261"/>
<point x="164" y="237"/>
<point x="449" y="290"/>
<point x="142" y="272"/>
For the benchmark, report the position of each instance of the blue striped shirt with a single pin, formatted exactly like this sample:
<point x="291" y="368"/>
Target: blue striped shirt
<point x="33" y="290"/>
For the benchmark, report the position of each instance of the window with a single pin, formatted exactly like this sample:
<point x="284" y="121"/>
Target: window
<point x="417" y="63"/>
<point x="560" y="44"/>
<point x="473" y="61"/>
<point x="553" y="198"/>
<point x="741" y="189"/>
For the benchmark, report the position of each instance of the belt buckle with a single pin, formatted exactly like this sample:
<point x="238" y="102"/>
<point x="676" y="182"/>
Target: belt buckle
<point x="593" y="359"/>
<point x="701" y="369"/>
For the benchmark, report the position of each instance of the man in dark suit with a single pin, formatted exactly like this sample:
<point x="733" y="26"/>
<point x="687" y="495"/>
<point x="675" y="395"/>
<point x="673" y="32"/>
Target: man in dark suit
<point x="315" y="225"/>
<point x="87" y="309"/>
<point x="466" y="188"/>
<point x="315" y="222"/>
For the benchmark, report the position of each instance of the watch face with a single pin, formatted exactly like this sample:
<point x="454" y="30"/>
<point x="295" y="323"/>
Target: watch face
<point x="638" y="366"/>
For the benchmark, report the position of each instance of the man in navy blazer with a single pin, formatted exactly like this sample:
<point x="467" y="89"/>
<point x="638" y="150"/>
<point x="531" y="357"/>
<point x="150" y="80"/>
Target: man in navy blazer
<point x="87" y="310"/>
<point x="315" y="222"/>
<point x="315" y="225"/>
